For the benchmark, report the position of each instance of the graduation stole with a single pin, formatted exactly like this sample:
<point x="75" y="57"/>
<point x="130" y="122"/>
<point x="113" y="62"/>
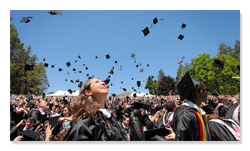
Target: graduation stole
<point x="204" y="129"/>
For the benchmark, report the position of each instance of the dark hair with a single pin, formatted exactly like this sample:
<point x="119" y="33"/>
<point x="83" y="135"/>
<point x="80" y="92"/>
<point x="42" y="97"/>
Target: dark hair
<point x="169" y="106"/>
<point x="82" y="105"/>
<point x="135" y="115"/>
<point x="69" y="110"/>
<point x="32" y="118"/>
<point x="198" y="85"/>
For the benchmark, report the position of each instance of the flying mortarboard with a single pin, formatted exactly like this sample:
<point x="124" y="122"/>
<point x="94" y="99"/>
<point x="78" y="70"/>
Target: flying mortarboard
<point x="141" y="70"/>
<point x="43" y="59"/>
<point x="124" y="89"/>
<point x="79" y="56"/>
<point x="26" y="19"/>
<point x="106" y="81"/>
<point x="111" y="71"/>
<point x="23" y="86"/>
<point x="145" y="31"/>
<point x="53" y="121"/>
<point x="86" y="68"/>
<point x="218" y="63"/>
<point x="54" y="12"/>
<point x="52" y="66"/>
<point x="75" y="61"/>
<point x="180" y="36"/>
<point x="80" y="71"/>
<point x="132" y="55"/>
<point x="179" y="61"/>
<point x="28" y="67"/>
<point x="107" y="56"/>
<point x="155" y="20"/>
<point x="115" y="61"/>
<point x="60" y="69"/>
<point x="204" y="67"/>
<point x="29" y="135"/>
<point x="238" y="67"/>
<point x="148" y="65"/>
<point x="183" y="26"/>
<point x="72" y="81"/>
<point x="46" y="64"/>
<point x="187" y="86"/>
<point x="77" y="80"/>
<point x="68" y="64"/>
<point x="70" y="91"/>
<point x="138" y="83"/>
<point x="74" y="69"/>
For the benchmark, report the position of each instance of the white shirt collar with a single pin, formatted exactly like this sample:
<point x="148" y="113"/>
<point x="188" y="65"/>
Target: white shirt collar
<point x="106" y="112"/>
<point x="191" y="104"/>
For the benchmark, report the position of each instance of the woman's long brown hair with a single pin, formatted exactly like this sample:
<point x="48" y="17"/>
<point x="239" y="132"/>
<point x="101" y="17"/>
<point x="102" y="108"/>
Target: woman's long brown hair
<point x="82" y="104"/>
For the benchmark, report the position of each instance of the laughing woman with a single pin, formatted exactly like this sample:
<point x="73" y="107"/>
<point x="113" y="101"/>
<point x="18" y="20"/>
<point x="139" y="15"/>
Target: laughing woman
<point x="91" y="121"/>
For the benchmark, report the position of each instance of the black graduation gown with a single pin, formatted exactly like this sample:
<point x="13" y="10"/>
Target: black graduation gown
<point x="95" y="129"/>
<point x="136" y="132"/>
<point x="37" y="114"/>
<point x="18" y="117"/>
<point x="186" y="125"/>
<point x="160" y="120"/>
<point x="230" y="111"/>
<point x="220" y="132"/>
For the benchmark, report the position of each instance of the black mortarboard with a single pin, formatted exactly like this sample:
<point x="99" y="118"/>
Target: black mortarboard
<point x="187" y="86"/>
<point x="180" y="36"/>
<point x="75" y="61"/>
<point x="121" y="81"/>
<point x="137" y="65"/>
<point x="124" y="89"/>
<point x="52" y="66"/>
<point x="72" y="81"/>
<point x="215" y="94"/>
<point x="25" y="19"/>
<point x="68" y="64"/>
<point x="109" y="76"/>
<point x="111" y="71"/>
<point x="204" y="67"/>
<point x="138" y="83"/>
<point x="115" y="61"/>
<point x="139" y="105"/>
<point x="74" y="69"/>
<point x="68" y="72"/>
<point x="134" y="94"/>
<point x="183" y="26"/>
<point x="145" y="31"/>
<point x="29" y="135"/>
<point x="86" y="68"/>
<point x="43" y="59"/>
<point x="132" y="78"/>
<point x="155" y="20"/>
<point x="79" y="56"/>
<point x="83" y="64"/>
<point x="23" y="86"/>
<point x="46" y="64"/>
<point x="60" y="69"/>
<point x="148" y="65"/>
<point x="158" y="131"/>
<point x="87" y="74"/>
<point x="80" y="71"/>
<point x="141" y="70"/>
<point x="53" y="121"/>
<point x="65" y="79"/>
<point x="218" y="63"/>
<point x="113" y="94"/>
<point x="107" y="56"/>
<point x="77" y="80"/>
<point x="28" y="67"/>
<point x="106" y="81"/>
<point x="179" y="61"/>
<point x="54" y="12"/>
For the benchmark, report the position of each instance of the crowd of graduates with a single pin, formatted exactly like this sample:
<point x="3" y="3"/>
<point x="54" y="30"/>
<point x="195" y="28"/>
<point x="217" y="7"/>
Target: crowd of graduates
<point x="48" y="118"/>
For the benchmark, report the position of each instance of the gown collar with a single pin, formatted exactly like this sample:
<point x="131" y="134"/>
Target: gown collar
<point x="106" y="112"/>
<point x="191" y="104"/>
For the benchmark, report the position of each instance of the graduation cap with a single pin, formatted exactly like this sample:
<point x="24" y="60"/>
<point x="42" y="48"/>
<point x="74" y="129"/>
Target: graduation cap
<point x="74" y="69"/>
<point x="96" y="56"/>
<point x="107" y="56"/>
<point x="80" y="84"/>
<point x="138" y="83"/>
<point x="66" y="80"/>
<point x="121" y="81"/>
<point x="75" y="61"/>
<point x="29" y="135"/>
<point x="158" y="131"/>
<point x="180" y="36"/>
<point x="179" y="61"/>
<point x="87" y="74"/>
<point x="26" y="19"/>
<point x="111" y="71"/>
<point x="106" y="81"/>
<point x="54" y="12"/>
<point x="109" y="76"/>
<point x="137" y="65"/>
<point x="77" y="80"/>
<point x="80" y="71"/>
<point x="70" y="91"/>
<point x="79" y="56"/>
<point x="86" y="68"/>
<point x="68" y="72"/>
<point x="115" y="61"/>
<point x="43" y="59"/>
<point x="28" y="67"/>
<point x="113" y="94"/>
<point x="28" y="96"/>
<point x="124" y="89"/>
<point x="187" y="86"/>
<point x="132" y="55"/>
<point x="148" y="65"/>
<point x="68" y="64"/>
<point x="141" y="70"/>
<point x="204" y="67"/>
<point x="52" y="66"/>
<point x="72" y="81"/>
<point x="139" y="105"/>
<point x="134" y="95"/>
<point x="132" y="78"/>
<point x="218" y="63"/>
<point x="46" y="64"/>
<point x="183" y="26"/>
<point x="145" y="31"/>
<point x="53" y="121"/>
<point x="155" y="20"/>
<point x="60" y="69"/>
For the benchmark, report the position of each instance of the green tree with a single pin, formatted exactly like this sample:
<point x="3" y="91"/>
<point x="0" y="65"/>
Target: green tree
<point x="151" y="85"/>
<point x="179" y="72"/>
<point x="36" y="80"/>
<point x="160" y="75"/>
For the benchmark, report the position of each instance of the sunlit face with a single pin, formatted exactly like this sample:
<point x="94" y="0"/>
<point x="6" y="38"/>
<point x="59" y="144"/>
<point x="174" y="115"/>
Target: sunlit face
<point x="98" y="87"/>
<point x="29" y="124"/>
<point x="126" y="121"/>
<point x="65" y="112"/>
<point x="21" y="103"/>
<point x="43" y="105"/>
<point x="45" y="126"/>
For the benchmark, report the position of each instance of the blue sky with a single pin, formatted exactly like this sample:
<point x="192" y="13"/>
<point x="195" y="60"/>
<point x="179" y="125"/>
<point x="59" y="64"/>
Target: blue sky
<point x="60" y="38"/>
